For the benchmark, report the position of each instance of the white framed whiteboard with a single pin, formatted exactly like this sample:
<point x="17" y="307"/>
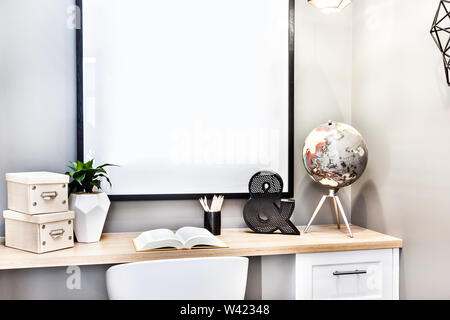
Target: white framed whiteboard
<point x="188" y="97"/>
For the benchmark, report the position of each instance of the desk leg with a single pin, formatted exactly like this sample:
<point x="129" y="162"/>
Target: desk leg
<point x="278" y="277"/>
<point x="395" y="273"/>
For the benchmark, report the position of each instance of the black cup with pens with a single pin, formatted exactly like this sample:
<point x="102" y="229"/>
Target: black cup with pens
<point x="212" y="220"/>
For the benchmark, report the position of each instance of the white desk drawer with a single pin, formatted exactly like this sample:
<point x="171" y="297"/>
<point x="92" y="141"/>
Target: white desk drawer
<point x="328" y="284"/>
<point x="364" y="274"/>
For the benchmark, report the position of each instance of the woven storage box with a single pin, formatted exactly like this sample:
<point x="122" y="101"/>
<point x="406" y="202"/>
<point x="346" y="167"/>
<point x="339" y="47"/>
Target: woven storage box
<point x="39" y="233"/>
<point x="37" y="192"/>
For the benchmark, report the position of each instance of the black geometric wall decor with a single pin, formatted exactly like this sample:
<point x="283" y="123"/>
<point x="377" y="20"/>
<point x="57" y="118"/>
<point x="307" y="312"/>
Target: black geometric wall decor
<point x="262" y="214"/>
<point x="440" y="31"/>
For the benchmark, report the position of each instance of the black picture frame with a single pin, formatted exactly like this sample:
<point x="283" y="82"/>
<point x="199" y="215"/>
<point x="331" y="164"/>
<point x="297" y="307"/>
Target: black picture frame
<point x="191" y="196"/>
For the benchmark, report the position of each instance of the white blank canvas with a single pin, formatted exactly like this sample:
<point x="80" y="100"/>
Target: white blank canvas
<point x="187" y="96"/>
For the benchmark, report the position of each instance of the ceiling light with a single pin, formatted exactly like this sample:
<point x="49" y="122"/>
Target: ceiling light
<point x="330" y="6"/>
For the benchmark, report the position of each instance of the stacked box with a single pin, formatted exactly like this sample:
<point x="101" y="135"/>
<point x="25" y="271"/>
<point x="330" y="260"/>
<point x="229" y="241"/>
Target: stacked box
<point x="38" y="219"/>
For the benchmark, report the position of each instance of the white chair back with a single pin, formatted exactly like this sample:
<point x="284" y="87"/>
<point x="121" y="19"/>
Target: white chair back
<point x="221" y="278"/>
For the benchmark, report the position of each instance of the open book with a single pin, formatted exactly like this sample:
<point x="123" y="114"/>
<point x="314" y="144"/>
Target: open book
<point x="183" y="238"/>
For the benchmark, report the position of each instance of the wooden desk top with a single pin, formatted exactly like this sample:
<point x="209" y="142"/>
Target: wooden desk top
<point x="116" y="248"/>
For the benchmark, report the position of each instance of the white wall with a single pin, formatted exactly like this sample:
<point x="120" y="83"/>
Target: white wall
<point x="323" y="71"/>
<point x="38" y="118"/>
<point x="37" y="88"/>
<point x="401" y="103"/>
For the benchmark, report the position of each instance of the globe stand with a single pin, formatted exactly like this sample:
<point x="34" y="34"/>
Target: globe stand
<point x="337" y="209"/>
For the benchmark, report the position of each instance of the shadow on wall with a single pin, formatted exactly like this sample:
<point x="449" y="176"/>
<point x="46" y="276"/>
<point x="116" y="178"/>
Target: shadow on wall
<point x="312" y="109"/>
<point x="322" y="93"/>
<point x="323" y="87"/>
<point x="318" y="100"/>
<point x="361" y="212"/>
<point x="443" y="92"/>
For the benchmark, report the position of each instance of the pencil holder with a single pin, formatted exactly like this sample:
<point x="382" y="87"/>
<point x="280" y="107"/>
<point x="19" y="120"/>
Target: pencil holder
<point x="212" y="222"/>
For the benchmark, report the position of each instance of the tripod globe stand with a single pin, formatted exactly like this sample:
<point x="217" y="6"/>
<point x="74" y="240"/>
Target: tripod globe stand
<point x="337" y="209"/>
<point x="335" y="155"/>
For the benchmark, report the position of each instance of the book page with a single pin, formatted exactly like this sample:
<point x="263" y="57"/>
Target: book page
<point x="192" y="236"/>
<point x="186" y="233"/>
<point x="159" y="238"/>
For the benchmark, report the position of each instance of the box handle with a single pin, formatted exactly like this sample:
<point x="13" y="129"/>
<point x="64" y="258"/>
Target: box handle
<point x="346" y="273"/>
<point x="49" y="195"/>
<point x="57" y="233"/>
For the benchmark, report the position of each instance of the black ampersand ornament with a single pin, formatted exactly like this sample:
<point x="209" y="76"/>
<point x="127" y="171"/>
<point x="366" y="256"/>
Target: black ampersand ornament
<point x="262" y="214"/>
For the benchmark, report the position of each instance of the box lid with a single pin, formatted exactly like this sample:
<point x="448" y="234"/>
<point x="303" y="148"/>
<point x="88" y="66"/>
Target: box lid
<point x="39" y="218"/>
<point x="37" y="177"/>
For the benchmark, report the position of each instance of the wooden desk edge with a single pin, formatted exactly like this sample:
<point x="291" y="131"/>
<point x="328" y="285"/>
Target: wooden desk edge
<point x="26" y="260"/>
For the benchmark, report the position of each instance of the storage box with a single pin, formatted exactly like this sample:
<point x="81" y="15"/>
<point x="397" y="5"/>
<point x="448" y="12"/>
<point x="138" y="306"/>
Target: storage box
<point x="37" y="192"/>
<point x="39" y="233"/>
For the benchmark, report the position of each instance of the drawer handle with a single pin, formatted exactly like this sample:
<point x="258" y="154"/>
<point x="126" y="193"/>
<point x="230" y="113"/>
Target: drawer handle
<point x="49" y="195"/>
<point x="57" y="233"/>
<point x="346" y="273"/>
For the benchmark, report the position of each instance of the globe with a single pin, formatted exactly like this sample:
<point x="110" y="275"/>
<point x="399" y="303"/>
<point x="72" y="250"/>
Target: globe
<point x="335" y="154"/>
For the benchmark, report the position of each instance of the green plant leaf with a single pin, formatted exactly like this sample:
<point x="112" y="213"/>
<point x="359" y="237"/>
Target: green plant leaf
<point x="106" y="177"/>
<point x="88" y="165"/>
<point x="101" y="170"/>
<point x="73" y="165"/>
<point x="80" y="166"/>
<point x="85" y="178"/>
<point x="79" y="179"/>
<point x="97" y="183"/>
<point x="108" y="165"/>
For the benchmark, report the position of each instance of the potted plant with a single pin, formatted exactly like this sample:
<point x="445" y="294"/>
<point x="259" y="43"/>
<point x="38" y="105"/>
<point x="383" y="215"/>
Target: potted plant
<point x="90" y="204"/>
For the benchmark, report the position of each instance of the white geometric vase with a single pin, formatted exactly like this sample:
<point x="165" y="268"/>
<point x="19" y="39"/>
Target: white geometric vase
<point x="90" y="215"/>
